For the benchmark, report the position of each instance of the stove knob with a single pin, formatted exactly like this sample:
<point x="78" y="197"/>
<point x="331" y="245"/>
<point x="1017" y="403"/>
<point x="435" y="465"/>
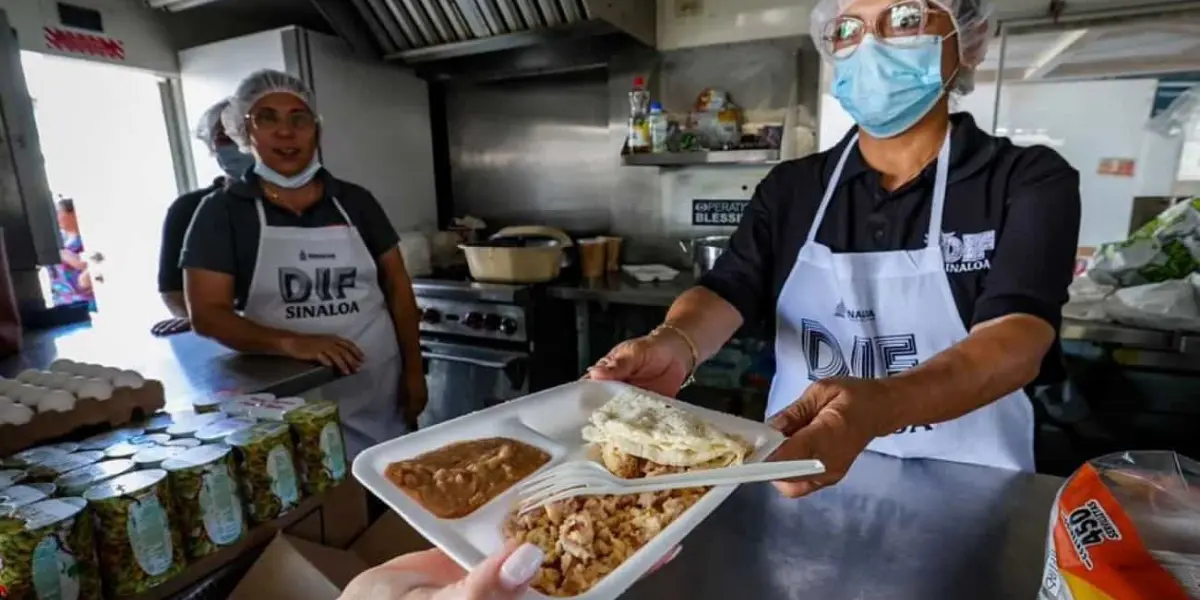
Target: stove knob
<point x="491" y="322"/>
<point x="508" y="326"/>
<point x="473" y="320"/>
<point x="431" y="316"/>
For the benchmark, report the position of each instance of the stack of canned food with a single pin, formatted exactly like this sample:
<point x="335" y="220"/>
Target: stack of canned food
<point x="119" y="513"/>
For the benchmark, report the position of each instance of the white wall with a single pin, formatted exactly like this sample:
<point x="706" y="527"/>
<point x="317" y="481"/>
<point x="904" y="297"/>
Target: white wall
<point x="212" y="71"/>
<point x="377" y="134"/>
<point x="1087" y="121"/>
<point x="136" y="27"/>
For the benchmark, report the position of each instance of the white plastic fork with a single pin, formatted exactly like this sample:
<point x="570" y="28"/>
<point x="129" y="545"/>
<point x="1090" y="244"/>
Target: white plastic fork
<point x="587" y="478"/>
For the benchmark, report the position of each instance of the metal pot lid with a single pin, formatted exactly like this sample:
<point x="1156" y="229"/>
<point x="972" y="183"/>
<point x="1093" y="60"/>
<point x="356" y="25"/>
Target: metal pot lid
<point x="712" y="240"/>
<point x="540" y="231"/>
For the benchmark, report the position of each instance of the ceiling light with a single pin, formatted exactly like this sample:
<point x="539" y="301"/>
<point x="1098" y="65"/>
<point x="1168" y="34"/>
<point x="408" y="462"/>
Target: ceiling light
<point x="176" y="5"/>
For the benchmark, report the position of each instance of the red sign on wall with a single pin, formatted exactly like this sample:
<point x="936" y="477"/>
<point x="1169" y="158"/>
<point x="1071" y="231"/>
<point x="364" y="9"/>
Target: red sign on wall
<point x="1118" y="167"/>
<point x="84" y="43"/>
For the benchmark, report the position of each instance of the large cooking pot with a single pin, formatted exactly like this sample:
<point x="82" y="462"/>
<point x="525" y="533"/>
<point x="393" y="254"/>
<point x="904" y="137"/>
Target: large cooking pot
<point x="703" y="252"/>
<point x="528" y="254"/>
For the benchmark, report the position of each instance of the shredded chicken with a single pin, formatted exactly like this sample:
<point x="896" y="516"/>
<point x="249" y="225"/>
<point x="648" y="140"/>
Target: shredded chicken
<point x="587" y="537"/>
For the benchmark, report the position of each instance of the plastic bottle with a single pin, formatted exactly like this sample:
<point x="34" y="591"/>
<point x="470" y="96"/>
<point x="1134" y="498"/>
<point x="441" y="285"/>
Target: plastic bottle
<point x="659" y="129"/>
<point x="639" y="113"/>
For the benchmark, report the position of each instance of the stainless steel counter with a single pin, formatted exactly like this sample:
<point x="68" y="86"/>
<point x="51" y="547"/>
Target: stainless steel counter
<point x="621" y="289"/>
<point x="189" y="366"/>
<point x="1131" y="337"/>
<point x="893" y="529"/>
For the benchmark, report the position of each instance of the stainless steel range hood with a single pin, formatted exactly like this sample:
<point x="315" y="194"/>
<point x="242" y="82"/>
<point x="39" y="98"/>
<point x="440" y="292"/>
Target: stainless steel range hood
<point x="427" y="30"/>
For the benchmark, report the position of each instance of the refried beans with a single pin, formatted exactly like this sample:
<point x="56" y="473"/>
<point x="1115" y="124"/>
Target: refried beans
<point x="455" y="480"/>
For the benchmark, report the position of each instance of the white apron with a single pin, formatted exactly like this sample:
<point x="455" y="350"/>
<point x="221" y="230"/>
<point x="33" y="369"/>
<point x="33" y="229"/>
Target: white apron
<point x="323" y="281"/>
<point x="874" y="314"/>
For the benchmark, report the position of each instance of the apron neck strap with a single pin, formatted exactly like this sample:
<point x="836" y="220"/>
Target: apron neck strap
<point x="934" y="234"/>
<point x="345" y="216"/>
<point x="933" y="237"/>
<point x="830" y="188"/>
<point x="262" y="216"/>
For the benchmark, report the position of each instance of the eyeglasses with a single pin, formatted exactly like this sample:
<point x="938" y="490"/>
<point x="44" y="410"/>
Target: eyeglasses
<point x="269" y="121"/>
<point x="899" y="24"/>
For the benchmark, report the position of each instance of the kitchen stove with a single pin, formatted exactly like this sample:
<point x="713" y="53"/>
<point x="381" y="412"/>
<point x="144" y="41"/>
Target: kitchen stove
<point x="473" y="319"/>
<point x="488" y="343"/>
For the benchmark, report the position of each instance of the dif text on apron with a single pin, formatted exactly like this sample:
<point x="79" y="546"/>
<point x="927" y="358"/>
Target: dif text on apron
<point x="875" y="314"/>
<point x="324" y="281"/>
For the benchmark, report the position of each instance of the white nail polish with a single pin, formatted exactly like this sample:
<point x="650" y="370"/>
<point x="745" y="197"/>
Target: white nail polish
<point x="521" y="566"/>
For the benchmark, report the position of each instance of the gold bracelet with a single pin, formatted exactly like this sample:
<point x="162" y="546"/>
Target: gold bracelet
<point x="687" y="339"/>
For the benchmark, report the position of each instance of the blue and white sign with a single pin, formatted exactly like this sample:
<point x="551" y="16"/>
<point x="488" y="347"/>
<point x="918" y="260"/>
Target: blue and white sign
<point x="721" y="213"/>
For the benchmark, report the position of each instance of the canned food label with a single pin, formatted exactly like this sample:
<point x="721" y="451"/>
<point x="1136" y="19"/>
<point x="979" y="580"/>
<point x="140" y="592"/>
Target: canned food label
<point x="333" y="452"/>
<point x="283" y="476"/>
<point x="220" y="507"/>
<point x="150" y="535"/>
<point x="55" y="571"/>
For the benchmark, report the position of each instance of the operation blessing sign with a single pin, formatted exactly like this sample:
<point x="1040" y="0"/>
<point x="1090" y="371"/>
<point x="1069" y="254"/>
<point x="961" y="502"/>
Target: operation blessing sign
<point x="718" y="212"/>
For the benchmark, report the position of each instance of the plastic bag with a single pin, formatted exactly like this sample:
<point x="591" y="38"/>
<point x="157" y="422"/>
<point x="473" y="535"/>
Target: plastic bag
<point x="1179" y="117"/>
<point x="1166" y="248"/>
<point x="1170" y="305"/>
<point x="1087" y="299"/>
<point x="1126" y="527"/>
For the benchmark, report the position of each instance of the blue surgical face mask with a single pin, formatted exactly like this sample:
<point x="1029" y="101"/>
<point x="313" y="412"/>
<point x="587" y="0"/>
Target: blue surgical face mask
<point x="298" y="180"/>
<point x="889" y="88"/>
<point x="234" y="162"/>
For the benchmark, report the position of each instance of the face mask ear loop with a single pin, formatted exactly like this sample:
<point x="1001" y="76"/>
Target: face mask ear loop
<point x="950" y="80"/>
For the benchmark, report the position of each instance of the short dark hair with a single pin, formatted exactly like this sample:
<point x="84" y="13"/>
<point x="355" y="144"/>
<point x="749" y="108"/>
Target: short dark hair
<point x="66" y="205"/>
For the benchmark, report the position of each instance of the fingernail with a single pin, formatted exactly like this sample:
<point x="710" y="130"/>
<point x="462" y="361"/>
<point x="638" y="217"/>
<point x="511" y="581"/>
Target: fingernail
<point x="604" y="363"/>
<point x="520" y="566"/>
<point x="672" y="554"/>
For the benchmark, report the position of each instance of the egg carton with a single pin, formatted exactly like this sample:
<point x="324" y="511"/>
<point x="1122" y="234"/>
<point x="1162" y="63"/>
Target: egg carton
<point x="40" y="406"/>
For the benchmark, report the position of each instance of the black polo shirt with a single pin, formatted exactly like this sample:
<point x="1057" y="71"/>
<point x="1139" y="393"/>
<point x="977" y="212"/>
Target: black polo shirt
<point x="1010" y="227"/>
<point x="175" y="226"/>
<point x="224" y="233"/>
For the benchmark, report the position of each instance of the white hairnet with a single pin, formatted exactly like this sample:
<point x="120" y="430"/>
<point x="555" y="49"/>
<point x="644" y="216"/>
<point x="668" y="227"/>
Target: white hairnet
<point x="210" y="123"/>
<point x="970" y="23"/>
<point x="251" y="90"/>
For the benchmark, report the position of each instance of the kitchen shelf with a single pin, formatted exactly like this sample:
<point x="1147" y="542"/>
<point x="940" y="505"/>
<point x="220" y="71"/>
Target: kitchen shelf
<point x="714" y="157"/>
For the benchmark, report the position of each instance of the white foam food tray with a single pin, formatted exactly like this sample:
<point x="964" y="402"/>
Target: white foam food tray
<point x="551" y="420"/>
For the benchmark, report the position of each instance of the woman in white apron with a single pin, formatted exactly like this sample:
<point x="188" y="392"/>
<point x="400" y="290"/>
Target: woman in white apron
<point x="311" y="262"/>
<point x="915" y="272"/>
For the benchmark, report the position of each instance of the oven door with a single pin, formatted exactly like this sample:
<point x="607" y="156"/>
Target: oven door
<point x="463" y="379"/>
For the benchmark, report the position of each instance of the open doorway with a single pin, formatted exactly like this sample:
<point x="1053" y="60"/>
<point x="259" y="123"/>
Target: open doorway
<point x="104" y="138"/>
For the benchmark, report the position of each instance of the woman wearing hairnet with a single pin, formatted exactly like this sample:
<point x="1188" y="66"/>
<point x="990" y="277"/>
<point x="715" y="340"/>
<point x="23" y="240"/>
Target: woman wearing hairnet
<point x="915" y="272"/>
<point x="233" y="162"/>
<point x="289" y="260"/>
